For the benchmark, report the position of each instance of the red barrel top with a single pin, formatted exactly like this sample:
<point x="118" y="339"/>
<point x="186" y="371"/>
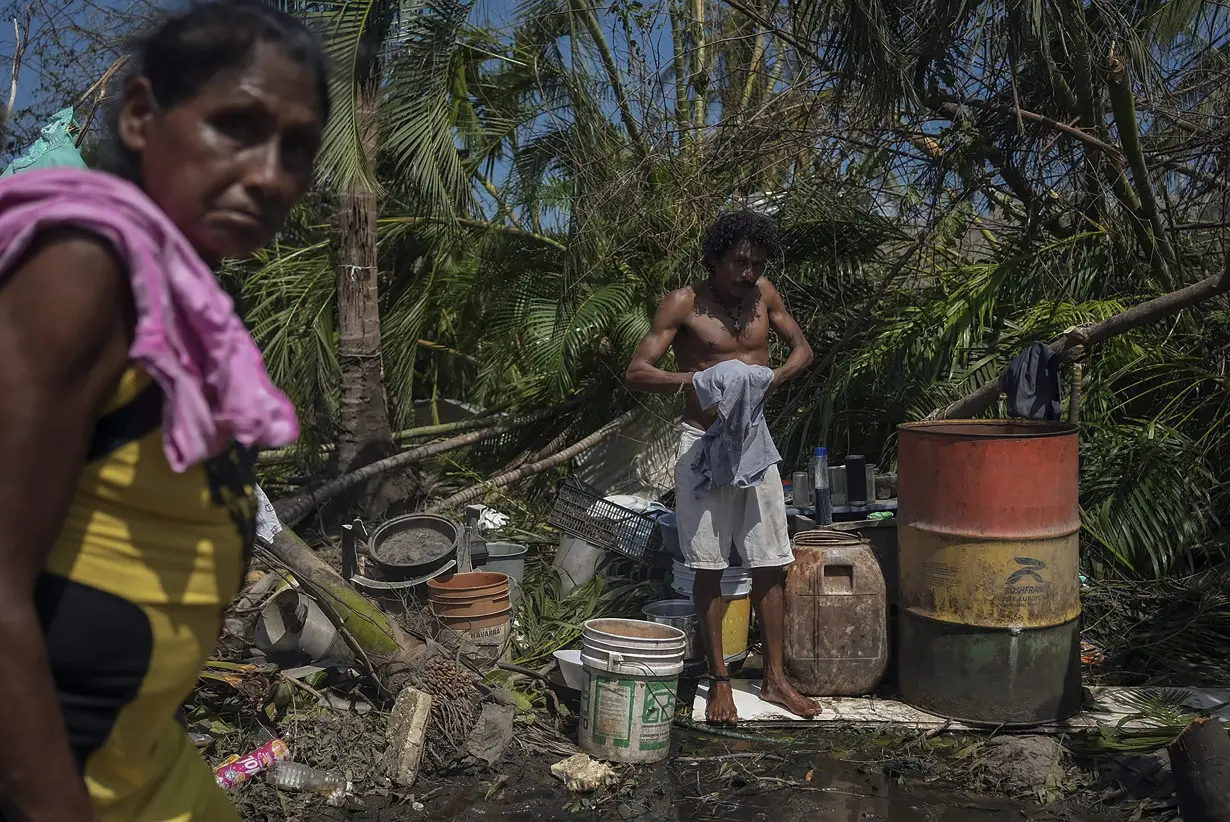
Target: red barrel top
<point x="999" y="479"/>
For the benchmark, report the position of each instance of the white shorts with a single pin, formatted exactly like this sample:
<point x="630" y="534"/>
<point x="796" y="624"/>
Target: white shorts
<point x="753" y="520"/>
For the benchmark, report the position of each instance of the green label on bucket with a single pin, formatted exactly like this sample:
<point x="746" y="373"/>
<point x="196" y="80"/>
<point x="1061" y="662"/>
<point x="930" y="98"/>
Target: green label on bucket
<point x="612" y="715"/>
<point x="659" y="703"/>
<point x="656" y="715"/>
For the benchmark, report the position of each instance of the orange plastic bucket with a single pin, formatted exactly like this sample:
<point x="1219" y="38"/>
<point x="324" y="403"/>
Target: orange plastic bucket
<point x="475" y="611"/>
<point x="477" y="597"/>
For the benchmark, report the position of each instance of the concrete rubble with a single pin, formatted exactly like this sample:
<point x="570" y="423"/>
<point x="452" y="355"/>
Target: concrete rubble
<point x="407" y="729"/>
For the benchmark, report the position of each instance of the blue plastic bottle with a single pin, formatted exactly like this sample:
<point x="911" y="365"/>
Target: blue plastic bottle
<point x="820" y="485"/>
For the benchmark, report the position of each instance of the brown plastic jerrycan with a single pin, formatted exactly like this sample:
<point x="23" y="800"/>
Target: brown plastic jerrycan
<point x="836" y="639"/>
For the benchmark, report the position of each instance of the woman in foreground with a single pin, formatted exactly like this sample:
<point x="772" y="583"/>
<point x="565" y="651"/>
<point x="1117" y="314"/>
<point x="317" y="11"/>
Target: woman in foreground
<point x="131" y="402"/>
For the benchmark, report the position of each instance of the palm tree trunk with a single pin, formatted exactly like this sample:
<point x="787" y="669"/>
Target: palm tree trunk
<point x="679" y="60"/>
<point x="1124" y="105"/>
<point x="753" y="64"/>
<point x="282" y="454"/>
<point x="590" y="19"/>
<point x="365" y="432"/>
<point x="376" y="637"/>
<point x="700" y="70"/>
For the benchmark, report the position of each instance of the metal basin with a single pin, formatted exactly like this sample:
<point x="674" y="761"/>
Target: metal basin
<point x="681" y="614"/>
<point x="413" y="545"/>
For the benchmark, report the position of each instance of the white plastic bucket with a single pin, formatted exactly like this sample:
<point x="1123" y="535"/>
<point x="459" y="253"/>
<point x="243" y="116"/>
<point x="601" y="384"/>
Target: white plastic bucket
<point x="576" y="562"/>
<point x="631" y="677"/>
<point x="736" y="581"/>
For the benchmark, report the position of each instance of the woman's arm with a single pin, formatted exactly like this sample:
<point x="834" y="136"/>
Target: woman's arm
<point x="66" y="323"/>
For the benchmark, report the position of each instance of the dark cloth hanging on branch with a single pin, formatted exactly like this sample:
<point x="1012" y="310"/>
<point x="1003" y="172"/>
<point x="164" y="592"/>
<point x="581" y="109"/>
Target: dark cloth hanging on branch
<point x="1032" y="384"/>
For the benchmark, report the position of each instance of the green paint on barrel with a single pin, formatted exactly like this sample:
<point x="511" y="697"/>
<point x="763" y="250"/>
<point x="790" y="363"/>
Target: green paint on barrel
<point x="968" y="673"/>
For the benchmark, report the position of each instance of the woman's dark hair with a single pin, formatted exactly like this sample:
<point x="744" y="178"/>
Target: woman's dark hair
<point x="728" y="229"/>
<point x="187" y="50"/>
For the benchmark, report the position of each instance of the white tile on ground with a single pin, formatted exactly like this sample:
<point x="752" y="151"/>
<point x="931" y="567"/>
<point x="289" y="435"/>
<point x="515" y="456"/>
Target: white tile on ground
<point x="832" y="709"/>
<point x="1110" y="709"/>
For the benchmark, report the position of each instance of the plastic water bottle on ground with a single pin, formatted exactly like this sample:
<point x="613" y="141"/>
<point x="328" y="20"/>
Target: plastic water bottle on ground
<point x="295" y="776"/>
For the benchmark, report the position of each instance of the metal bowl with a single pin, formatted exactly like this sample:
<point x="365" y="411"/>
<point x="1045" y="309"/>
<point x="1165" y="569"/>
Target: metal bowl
<point x="412" y="546"/>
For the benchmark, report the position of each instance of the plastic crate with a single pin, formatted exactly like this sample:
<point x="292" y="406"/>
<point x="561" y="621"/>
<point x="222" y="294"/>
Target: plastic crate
<point x="581" y="512"/>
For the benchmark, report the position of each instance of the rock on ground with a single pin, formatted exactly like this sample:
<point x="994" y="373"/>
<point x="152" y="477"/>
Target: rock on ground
<point x="1030" y="762"/>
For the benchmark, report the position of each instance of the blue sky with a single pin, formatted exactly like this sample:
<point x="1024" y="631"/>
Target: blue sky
<point x="497" y="13"/>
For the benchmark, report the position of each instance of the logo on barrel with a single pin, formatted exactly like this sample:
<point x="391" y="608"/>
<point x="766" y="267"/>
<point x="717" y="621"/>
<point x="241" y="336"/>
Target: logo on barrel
<point x="1030" y="568"/>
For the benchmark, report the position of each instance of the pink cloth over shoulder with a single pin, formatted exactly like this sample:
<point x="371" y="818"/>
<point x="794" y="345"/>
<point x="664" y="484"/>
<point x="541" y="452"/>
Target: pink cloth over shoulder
<point x="188" y="336"/>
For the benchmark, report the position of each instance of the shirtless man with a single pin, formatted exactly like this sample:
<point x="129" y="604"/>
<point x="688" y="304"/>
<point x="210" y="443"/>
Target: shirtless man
<point x="728" y="317"/>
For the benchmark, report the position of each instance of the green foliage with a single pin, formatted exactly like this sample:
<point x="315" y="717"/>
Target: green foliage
<point x="1173" y="630"/>
<point x="547" y="622"/>
<point x="542" y="194"/>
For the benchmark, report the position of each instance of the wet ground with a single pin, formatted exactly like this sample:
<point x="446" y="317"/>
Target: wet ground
<point x="861" y="779"/>
<point x="825" y="773"/>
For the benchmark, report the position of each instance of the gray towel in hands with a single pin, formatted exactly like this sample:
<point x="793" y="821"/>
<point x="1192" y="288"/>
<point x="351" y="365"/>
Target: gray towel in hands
<point x="737" y="448"/>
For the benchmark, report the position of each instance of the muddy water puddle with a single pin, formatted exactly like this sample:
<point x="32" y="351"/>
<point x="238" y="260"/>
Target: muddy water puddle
<point x="721" y="780"/>
<point x="838" y="793"/>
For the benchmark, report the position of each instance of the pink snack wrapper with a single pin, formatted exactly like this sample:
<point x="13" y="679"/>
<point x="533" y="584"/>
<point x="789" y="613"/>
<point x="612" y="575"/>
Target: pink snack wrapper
<point x="235" y="770"/>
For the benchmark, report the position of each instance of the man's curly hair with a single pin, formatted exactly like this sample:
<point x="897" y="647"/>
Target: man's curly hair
<point x="728" y="229"/>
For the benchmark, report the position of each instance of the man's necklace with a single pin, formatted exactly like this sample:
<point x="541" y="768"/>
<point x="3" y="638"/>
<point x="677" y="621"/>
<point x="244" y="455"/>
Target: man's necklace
<point x="736" y="318"/>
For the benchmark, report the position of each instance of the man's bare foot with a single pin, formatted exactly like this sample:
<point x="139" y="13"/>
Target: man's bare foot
<point x="781" y="692"/>
<point x="720" y="707"/>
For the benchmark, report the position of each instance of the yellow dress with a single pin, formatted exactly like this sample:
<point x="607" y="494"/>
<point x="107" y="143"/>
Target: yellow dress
<point x="131" y="601"/>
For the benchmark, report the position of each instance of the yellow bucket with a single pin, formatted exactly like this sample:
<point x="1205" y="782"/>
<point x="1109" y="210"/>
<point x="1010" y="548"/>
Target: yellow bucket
<point x="736" y="625"/>
<point x="736" y="606"/>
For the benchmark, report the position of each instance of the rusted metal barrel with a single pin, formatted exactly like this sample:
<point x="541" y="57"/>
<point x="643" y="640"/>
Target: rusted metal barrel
<point x="989" y="582"/>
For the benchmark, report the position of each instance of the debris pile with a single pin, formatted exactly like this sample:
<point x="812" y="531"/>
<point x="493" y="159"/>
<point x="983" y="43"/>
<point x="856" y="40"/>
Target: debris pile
<point x="455" y="706"/>
<point x="322" y="690"/>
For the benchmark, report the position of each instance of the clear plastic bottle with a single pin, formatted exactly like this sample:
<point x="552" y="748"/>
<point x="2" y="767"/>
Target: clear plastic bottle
<point x="295" y="776"/>
<point x="820" y="486"/>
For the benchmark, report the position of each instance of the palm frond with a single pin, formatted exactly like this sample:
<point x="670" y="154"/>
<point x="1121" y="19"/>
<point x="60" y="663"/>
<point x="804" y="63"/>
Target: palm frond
<point x="354" y="32"/>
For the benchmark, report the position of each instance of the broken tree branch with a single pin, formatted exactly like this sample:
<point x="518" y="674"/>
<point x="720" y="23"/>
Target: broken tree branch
<point x="1137" y="316"/>
<point x="1050" y="122"/>
<point x="292" y="510"/>
<point x="473" y="493"/>
<point x="98" y="92"/>
<point x="21" y="41"/>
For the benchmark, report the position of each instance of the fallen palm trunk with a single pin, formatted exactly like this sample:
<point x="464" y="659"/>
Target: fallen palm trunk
<point x="292" y="510"/>
<point x="1072" y="343"/>
<point x="530" y="455"/>
<point x="367" y="628"/>
<point x="1200" y="761"/>
<point x="458" y="427"/>
<point x="473" y="493"/>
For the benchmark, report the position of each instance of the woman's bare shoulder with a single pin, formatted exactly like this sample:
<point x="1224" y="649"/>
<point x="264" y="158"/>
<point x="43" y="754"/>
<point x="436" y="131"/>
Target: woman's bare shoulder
<point x="66" y="295"/>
